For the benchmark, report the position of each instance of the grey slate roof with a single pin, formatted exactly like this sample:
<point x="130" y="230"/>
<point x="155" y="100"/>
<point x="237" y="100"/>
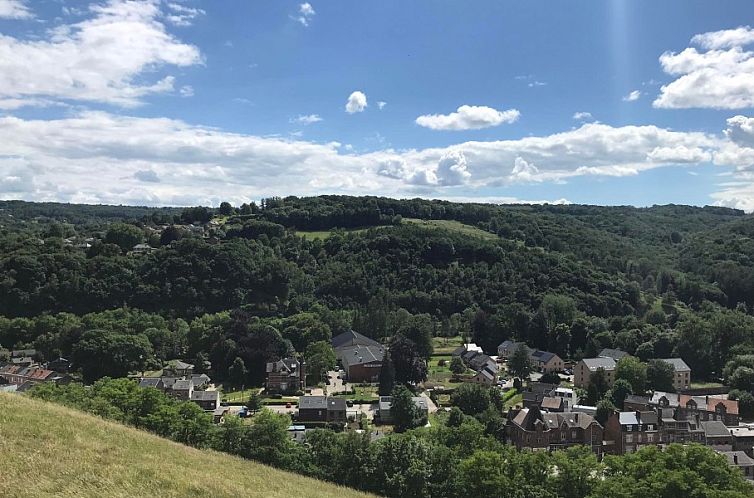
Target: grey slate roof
<point x="352" y="338"/>
<point x="312" y="402"/>
<point x="594" y="363"/>
<point x="183" y="385"/>
<point x="358" y="355"/>
<point x="615" y="354"/>
<point x="150" y="382"/>
<point x="205" y="395"/>
<point x="634" y="418"/>
<point x="714" y="428"/>
<point x="678" y="364"/>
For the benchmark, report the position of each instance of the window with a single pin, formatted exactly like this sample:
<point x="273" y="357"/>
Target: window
<point x="629" y="438"/>
<point x="650" y="438"/>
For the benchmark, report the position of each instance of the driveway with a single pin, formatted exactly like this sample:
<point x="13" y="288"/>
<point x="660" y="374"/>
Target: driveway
<point x="431" y="406"/>
<point x="336" y="385"/>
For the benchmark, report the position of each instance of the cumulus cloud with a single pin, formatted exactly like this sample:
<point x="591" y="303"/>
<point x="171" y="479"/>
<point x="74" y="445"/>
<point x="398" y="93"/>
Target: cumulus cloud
<point x="582" y="116"/>
<point x="468" y="118"/>
<point x="633" y="96"/>
<point x="186" y="91"/>
<point x="101" y="157"/>
<point x="722" y="77"/>
<point x="356" y="102"/>
<point x="107" y="58"/>
<point x="14" y="9"/>
<point x="305" y="14"/>
<point x="306" y="119"/>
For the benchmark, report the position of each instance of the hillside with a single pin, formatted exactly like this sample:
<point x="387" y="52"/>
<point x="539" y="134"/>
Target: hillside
<point x="49" y="450"/>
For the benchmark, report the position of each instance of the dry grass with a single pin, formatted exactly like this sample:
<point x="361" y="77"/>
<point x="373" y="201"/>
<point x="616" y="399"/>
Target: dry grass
<point x="49" y="450"/>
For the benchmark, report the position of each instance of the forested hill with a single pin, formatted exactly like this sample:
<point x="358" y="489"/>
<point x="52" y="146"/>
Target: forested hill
<point x="653" y="281"/>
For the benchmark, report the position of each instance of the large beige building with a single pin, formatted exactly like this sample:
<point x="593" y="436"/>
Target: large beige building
<point x="584" y="370"/>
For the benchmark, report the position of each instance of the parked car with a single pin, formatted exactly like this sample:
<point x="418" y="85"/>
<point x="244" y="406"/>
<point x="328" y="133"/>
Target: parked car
<point x="244" y="412"/>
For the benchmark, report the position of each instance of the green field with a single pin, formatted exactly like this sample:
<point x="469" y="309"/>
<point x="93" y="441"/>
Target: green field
<point x="444" y="346"/>
<point x="52" y="451"/>
<point x="453" y="226"/>
<point x="439" y="374"/>
<point x="323" y="234"/>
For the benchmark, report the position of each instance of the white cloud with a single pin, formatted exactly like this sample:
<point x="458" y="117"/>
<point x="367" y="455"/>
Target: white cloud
<point x="106" y="158"/>
<point x="726" y="38"/>
<point x="305" y="14"/>
<point x="186" y="91"/>
<point x="582" y="116"/>
<point x="468" y="118"/>
<point x="381" y="104"/>
<point x="356" y="102"/>
<point x="14" y="9"/>
<point x="722" y="77"/>
<point x="633" y="96"/>
<point x="105" y="58"/>
<point x="306" y="119"/>
<point x="180" y="15"/>
<point x="535" y="83"/>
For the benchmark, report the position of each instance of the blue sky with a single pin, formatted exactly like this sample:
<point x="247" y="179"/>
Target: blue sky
<point x="198" y="101"/>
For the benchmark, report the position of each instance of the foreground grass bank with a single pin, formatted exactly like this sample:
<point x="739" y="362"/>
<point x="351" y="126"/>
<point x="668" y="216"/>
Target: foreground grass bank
<point x="50" y="450"/>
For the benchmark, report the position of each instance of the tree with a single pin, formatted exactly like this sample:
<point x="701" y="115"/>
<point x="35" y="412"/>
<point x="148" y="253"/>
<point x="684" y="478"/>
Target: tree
<point x="597" y="387"/>
<point x="255" y="402"/>
<point x="620" y="390"/>
<point x="403" y="410"/>
<point x="320" y="358"/>
<point x="604" y="408"/>
<point x="634" y="371"/>
<point x="100" y="353"/>
<point x="171" y="234"/>
<point x="660" y="376"/>
<point x="472" y="399"/>
<point x="742" y="379"/>
<point x="387" y="375"/>
<point x="410" y="367"/>
<point x="550" y="378"/>
<point x="457" y="366"/>
<point x="745" y="403"/>
<point x="519" y="364"/>
<point x="124" y="236"/>
<point x="418" y="329"/>
<point x="267" y="439"/>
<point x="226" y="209"/>
<point x="237" y="372"/>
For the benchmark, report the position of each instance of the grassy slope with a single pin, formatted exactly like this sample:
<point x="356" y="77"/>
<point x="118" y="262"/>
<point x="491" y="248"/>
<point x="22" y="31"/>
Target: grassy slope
<point x="454" y="226"/>
<point x="50" y="450"/>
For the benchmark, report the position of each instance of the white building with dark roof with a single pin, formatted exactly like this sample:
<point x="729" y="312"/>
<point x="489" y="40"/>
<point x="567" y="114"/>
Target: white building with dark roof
<point x="587" y="367"/>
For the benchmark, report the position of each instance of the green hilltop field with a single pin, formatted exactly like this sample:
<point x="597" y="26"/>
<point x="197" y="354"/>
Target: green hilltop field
<point x="50" y="450"/>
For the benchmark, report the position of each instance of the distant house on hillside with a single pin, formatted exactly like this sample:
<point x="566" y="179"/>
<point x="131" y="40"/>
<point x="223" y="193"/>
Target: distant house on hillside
<point x="178" y="368"/>
<point x="615" y="354"/>
<point x="362" y="363"/>
<point x="465" y="348"/>
<point x="351" y="338"/>
<point x="681" y="373"/>
<point x="327" y="409"/>
<point x="285" y="376"/>
<point x="582" y="373"/>
<point x="208" y="400"/>
<point x="506" y="349"/>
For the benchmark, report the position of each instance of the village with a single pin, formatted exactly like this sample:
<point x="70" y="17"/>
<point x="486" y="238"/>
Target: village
<point x="547" y="410"/>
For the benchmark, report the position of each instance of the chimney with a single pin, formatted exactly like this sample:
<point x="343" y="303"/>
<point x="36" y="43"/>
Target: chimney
<point x="735" y="459"/>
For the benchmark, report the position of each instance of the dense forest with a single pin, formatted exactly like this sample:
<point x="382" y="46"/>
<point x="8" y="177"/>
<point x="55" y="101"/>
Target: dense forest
<point x="251" y="282"/>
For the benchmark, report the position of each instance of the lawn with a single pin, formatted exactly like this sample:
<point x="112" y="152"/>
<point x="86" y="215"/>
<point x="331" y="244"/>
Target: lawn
<point x="365" y="393"/>
<point x="453" y="226"/>
<point x="439" y="374"/>
<point x="445" y="345"/>
<point x="238" y="396"/>
<point x="514" y="400"/>
<point x="52" y="451"/>
<point x="323" y="234"/>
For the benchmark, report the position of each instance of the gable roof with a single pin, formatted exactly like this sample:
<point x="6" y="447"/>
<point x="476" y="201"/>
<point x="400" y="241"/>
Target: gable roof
<point x="150" y="382"/>
<point x="714" y="428"/>
<point x="594" y="363"/>
<point x="183" y="385"/>
<point x="321" y="403"/>
<point x="359" y="355"/>
<point x="552" y="403"/>
<point x="615" y="354"/>
<point x="205" y="395"/>
<point x="543" y="356"/>
<point x="636" y="418"/>
<point x="352" y="338"/>
<point x="678" y="364"/>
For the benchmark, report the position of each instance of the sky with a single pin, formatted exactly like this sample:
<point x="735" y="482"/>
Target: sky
<point x="187" y="102"/>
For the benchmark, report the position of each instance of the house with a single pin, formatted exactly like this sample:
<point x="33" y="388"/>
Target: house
<point x="553" y="404"/>
<point x="362" y="363"/>
<point x="631" y="431"/>
<point x="327" y="409"/>
<point x="201" y="381"/>
<point x="635" y="402"/>
<point x="155" y="382"/>
<point x="681" y="375"/>
<point x="545" y="362"/>
<point x="22" y="361"/>
<point x="716" y="433"/>
<point x="584" y="370"/>
<point x="285" y="376"/>
<point x="485" y="376"/>
<point x="142" y="249"/>
<point x="741" y="460"/>
<point x="61" y="365"/>
<point x="706" y="407"/>
<point x="386" y="402"/>
<point x="23" y="353"/>
<point x="464" y="348"/>
<point x="182" y="389"/>
<point x="208" y="401"/>
<point x="349" y="339"/>
<point x="218" y="415"/>
<point x="479" y="361"/>
<point x="16" y="374"/>
<point x="531" y="428"/>
<point x="506" y="349"/>
<point x="679" y="430"/>
<point x="615" y="354"/>
<point x="743" y="439"/>
<point x="178" y="368"/>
